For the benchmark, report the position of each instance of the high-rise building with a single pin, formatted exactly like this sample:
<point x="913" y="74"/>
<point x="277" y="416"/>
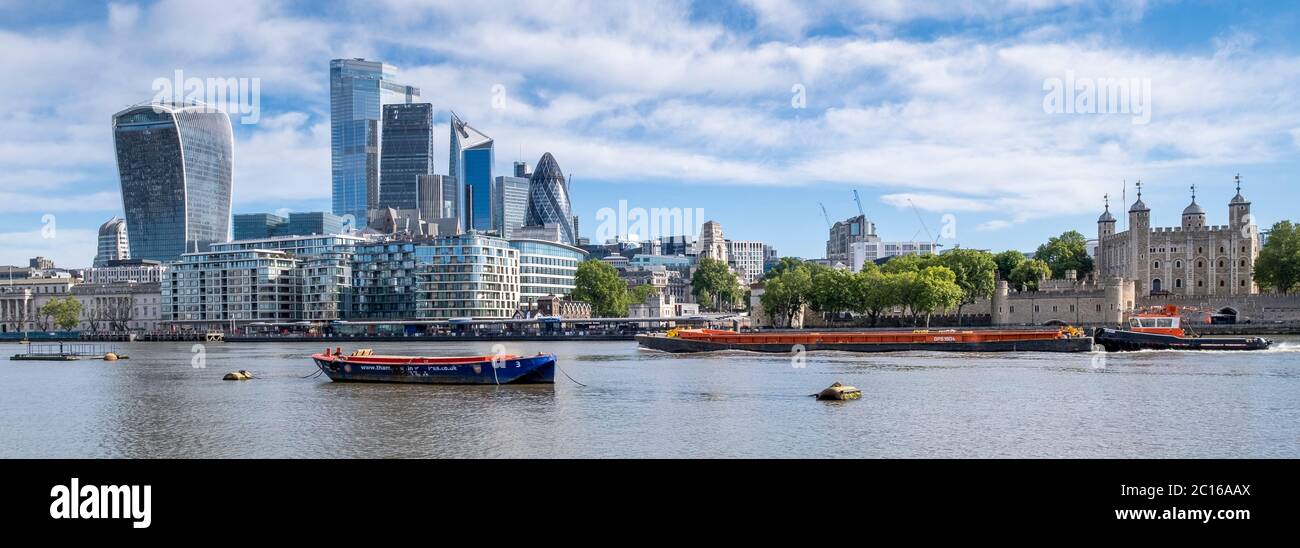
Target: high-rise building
<point x="269" y="225"/>
<point x="509" y="204"/>
<point x="548" y="199"/>
<point x="175" y="163"/>
<point x="406" y="154"/>
<point x="113" y="245"/>
<point x="470" y="165"/>
<point x="521" y="170"/>
<point x="746" y="258"/>
<point x="839" y="246"/>
<point x="257" y="225"/>
<point x="357" y="89"/>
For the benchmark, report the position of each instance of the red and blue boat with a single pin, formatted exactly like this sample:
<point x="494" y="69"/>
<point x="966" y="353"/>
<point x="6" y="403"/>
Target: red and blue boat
<point x="363" y="366"/>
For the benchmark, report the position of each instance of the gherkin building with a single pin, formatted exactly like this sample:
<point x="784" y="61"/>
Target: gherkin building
<point x="548" y="199"/>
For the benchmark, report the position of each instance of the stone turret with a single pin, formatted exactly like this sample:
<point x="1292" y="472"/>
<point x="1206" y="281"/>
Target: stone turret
<point x="1239" y="208"/>
<point x="1194" y="214"/>
<point x="1001" y="312"/>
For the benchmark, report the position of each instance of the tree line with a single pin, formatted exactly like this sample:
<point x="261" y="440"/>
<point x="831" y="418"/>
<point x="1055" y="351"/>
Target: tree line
<point x="919" y="285"/>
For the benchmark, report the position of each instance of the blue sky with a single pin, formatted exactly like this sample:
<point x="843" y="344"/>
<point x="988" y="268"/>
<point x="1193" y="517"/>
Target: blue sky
<point x="932" y="110"/>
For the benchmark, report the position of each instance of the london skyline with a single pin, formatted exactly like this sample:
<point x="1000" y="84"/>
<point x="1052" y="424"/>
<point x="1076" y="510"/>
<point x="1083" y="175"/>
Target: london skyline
<point x="938" y="108"/>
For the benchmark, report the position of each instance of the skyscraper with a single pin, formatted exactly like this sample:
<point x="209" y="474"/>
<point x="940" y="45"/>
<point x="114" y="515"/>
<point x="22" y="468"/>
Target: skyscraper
<point x="548" y="199"/>
<point x="509" y="204"/>
<point x="175" y="163"/>
<point x="113" y="243"/>
<point x="406" y="154"/>
<point x="356" y="92"/>
<point x="471" y="163"/>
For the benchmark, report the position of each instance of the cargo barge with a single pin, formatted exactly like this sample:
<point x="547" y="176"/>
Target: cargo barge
<point x="709" y="340"/>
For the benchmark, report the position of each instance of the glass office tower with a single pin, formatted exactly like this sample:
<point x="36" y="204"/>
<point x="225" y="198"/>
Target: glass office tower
<point x="356" y="92"/>
<point x="175" y="163"/>
<point x="406" y="154"/>
<point x="471" y="164"/>
<point x="548" y="199"/>
<point x="509" y="204"/>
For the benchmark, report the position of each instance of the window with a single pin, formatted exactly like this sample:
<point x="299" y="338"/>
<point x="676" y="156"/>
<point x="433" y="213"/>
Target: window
<point x="1200" y="283"/>
<point x="1222" y="283"/>
<point x="1200" y="264"/>
<point x="1243" y="283"/>
<point x="1243" y="263"/>
<point x="1220" y="264"/>
<point x="1178" y="283"/>
<point x="1178" y="264"/>
<point x="1156" y="264"/>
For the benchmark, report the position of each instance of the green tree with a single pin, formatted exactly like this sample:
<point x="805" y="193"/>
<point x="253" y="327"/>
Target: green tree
<point x="874" y="292"/>
<point x="976" y="274"/>
<point x="909" y="263"/>
<point x="638" y="294"/>
<point x="785" y="294"/>
<point x="786" y="263"/>
<point x="62" y="313"/>
<point x="713" y="282"/>
<point x="1278" y="265"/>
<point x="1008" y="261"/>
<point x="1069" y="251"/>
<point x="832" y="290"/>
<point x="597" y="282"/>
<point x="935" y="289"/>
<point x="1029" y="273"/>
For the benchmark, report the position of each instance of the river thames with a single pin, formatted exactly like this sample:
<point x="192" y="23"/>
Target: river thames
<point x="639" y="403"/>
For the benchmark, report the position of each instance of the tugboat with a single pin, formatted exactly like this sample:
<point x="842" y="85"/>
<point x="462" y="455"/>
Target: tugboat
<point x="363" y="366"/>
<point x="1161" y="329"/>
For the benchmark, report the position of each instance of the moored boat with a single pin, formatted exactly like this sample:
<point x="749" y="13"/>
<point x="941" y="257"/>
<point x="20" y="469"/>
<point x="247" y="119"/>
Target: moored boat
<point x="1162" y="330"/>
<point x="708" y="340"/>
<point x="363" y="366"/>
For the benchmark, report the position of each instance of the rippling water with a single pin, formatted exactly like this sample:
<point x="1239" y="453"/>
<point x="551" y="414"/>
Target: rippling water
<point x="640" y="403"/>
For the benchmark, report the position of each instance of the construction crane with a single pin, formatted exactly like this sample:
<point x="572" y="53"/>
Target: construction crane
<point x="826" y="215"/>
<point x="933" y="241"/>
<point x="859" y="201"/>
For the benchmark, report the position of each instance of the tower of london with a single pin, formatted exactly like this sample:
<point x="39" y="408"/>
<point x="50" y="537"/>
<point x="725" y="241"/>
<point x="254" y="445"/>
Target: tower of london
<point x="1194" y="259"/>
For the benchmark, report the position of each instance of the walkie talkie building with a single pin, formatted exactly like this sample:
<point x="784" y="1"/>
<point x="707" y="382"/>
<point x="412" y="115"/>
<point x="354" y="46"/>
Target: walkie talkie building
<point x="175" y="163"/>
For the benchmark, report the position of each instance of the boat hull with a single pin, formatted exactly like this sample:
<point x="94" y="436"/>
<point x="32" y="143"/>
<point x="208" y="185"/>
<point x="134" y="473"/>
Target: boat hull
<point x="1115" y="340"/>
<point x="677" y="344"/>
<point x="539" y="369"/>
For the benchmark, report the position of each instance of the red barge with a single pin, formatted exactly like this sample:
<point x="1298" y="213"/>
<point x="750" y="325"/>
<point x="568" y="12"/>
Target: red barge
<point x="708" y="340"/>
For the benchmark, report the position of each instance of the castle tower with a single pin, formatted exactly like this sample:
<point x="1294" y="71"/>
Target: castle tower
<point x="1245" y="243"/>
<point x="1239" y="208"/>
<point x="1194" y="215"/>
<point x="1139" y="223"/>
<point x="1105" y="228"/>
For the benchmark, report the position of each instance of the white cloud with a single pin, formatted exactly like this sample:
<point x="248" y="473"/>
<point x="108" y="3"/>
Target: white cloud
<point x="68" y="248"/>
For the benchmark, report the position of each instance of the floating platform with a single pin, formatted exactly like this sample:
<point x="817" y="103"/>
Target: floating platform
<point x="361" y="366"/>
<point x="709" y="340"/>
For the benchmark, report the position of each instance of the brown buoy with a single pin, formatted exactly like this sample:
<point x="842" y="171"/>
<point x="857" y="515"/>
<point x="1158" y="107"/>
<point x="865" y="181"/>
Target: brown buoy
<point x="839" y="391"/>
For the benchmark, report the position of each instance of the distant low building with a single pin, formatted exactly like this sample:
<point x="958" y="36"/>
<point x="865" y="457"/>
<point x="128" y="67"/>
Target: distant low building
<point x="662" y="305"/>
<point x="128" y="270"/>
<point x="556" y="305"/>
